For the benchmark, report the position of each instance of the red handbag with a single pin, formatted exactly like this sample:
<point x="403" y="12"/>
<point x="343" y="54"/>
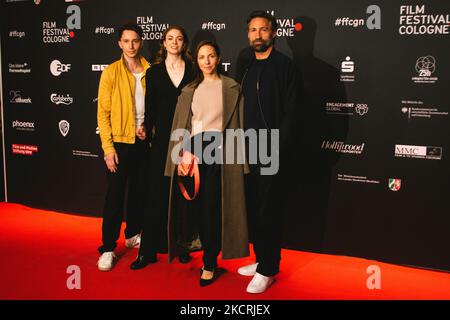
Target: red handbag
<point x="188" y="167"/>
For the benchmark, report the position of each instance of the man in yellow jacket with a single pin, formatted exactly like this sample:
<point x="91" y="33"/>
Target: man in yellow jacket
<point x="120" y="117"/>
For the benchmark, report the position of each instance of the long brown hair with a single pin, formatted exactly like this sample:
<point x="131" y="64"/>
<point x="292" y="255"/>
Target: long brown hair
<point x="161" y="54"/>
<point x="198" y="73"/>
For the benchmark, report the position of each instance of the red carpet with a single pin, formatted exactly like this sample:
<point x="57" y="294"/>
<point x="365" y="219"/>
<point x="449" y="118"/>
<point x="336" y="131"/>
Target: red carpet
<point x="37" y="247"/>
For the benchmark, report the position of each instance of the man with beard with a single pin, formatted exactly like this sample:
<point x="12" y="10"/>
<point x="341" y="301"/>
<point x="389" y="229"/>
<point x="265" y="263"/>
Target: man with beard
<point x="270" y="86"/>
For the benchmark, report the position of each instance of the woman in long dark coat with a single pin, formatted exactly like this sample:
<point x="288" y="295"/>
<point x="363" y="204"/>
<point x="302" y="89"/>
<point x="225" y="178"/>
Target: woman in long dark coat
<point x="171" y="71"/>
<point x="214" y="101"/>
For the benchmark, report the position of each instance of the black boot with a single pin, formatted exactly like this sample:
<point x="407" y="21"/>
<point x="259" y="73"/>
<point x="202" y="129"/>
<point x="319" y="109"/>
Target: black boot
<point x="184" y="257"/>
<point x="143" y="261"/>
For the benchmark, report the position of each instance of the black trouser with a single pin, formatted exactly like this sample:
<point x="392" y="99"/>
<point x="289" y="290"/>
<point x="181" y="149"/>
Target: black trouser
<point x="154" y="233"/>
<point x="130" y="171"/>
<point x="207" y="207"/>
<point x="265" y="222"/>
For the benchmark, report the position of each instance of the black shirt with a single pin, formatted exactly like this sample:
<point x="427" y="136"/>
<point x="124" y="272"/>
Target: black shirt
<point x="253" y="118"/>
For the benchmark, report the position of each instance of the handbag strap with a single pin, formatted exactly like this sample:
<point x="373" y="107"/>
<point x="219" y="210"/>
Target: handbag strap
<point x="196" y="174"/>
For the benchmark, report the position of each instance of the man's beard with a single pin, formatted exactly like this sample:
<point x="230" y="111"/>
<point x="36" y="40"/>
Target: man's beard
<point x="261" y="47"/>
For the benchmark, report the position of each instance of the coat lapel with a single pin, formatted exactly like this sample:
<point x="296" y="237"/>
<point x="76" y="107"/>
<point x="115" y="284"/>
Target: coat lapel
<point x="185" y="112"/>
<point x="230" y="92"/>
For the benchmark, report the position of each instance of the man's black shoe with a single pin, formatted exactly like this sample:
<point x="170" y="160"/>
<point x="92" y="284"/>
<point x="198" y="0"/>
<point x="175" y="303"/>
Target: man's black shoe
<point x="143" y="261"/>
<point x="184" y="257"/>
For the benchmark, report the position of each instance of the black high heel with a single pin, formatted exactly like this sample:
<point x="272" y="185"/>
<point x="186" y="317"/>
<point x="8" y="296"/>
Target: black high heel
<point x="206" y="282"/>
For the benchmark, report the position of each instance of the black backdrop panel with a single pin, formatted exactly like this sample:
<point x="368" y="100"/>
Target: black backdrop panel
<point x="376" y="83"/>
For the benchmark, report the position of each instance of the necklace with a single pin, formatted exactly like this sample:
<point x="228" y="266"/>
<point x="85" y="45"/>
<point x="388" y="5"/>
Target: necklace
<point x="174" y="66"/>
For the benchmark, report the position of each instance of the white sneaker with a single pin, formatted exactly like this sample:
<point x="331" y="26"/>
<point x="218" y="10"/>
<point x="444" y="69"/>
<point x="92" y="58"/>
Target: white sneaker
<point x="106" y="261"/>
<point x="249" y="270"/>
<point x="133" y="242"/>
<point x="259" y="283"/>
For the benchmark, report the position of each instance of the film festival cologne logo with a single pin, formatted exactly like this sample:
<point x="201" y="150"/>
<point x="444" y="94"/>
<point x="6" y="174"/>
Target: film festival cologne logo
<point x="152" y="30"/>
<point x="54" y="33"/>
<point x="417" y="21"/>
<point x="287" y="27"/>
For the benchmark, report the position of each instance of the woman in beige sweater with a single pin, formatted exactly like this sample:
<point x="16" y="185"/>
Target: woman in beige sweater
<point x="207" y="108"/>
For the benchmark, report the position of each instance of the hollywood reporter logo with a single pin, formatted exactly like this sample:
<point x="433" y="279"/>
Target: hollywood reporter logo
<point x="342" y="147"/>
<point x="56" y="67"/>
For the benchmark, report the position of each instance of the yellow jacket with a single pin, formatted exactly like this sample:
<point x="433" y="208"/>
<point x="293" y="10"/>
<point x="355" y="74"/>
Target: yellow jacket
<point x="116" y="104"/>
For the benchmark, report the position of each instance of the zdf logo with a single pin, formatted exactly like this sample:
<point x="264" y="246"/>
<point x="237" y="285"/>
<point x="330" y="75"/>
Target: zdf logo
<point x="56" y="67"/>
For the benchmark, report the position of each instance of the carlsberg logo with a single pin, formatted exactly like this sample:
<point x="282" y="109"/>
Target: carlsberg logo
<point x="60" y="99"/>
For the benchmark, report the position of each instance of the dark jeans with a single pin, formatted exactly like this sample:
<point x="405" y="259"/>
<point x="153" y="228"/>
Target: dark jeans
<point x="130" y="171"/>
<point x="265" y="222"/>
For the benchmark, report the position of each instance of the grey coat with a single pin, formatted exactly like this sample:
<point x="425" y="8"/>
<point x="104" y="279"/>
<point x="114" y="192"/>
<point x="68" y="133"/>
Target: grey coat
<point x="234" y="216"/>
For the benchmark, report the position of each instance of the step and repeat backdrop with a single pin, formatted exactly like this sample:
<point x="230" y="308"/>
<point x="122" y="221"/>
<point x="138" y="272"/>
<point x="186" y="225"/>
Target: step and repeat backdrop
<point x="370" y="163"/>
